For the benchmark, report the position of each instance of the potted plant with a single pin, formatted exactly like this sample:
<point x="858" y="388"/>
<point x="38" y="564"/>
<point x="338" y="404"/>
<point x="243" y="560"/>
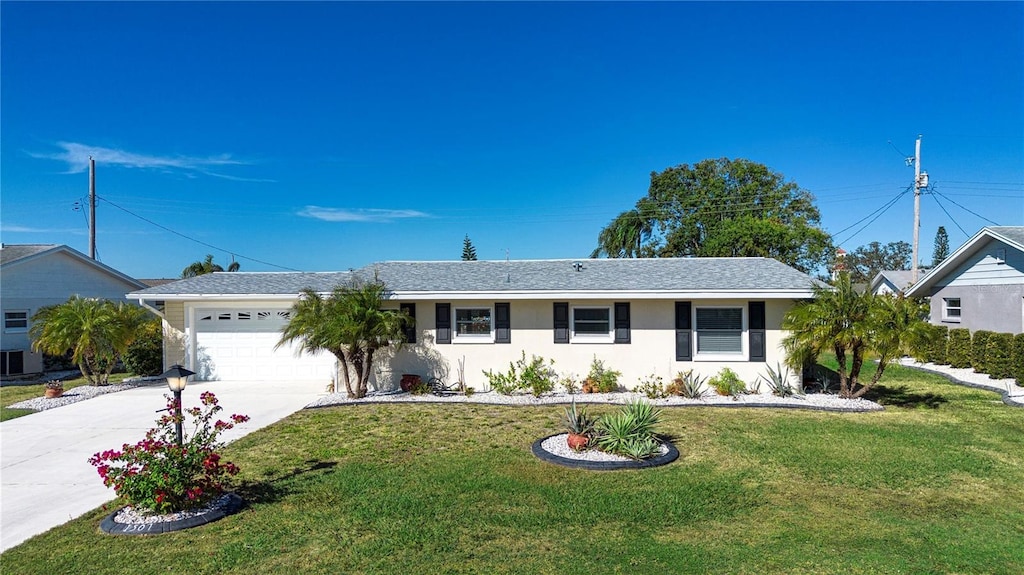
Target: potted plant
<point x="579" y="425"/>
<point x="54" y="388"/>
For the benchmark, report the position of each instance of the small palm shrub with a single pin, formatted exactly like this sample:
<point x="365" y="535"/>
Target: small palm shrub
<point x="630" y="431"/>
<point x="958" y="352"/>
<point x="1017" y="359"/>
<point x="652" y="386"/>
<point x="728" y="383"/>
<point x="999" y="355"/>
<point x="979" y="350"/>
<point x="687" y="384"/>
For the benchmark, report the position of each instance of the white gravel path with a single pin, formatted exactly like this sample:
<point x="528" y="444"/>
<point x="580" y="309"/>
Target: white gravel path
<point x="80" y="393"/>
<point x="812" y="401"/>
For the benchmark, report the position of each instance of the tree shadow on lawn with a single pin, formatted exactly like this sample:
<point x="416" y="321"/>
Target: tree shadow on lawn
<point x="270" y="490"/>
<point x="901" y="396"/>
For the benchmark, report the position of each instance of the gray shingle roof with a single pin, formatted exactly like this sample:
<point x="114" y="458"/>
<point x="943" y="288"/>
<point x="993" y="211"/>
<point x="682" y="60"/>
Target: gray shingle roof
<point x="661" y="274"/>
<point x="13" y="253"/>
<point x="1013" y="233"/>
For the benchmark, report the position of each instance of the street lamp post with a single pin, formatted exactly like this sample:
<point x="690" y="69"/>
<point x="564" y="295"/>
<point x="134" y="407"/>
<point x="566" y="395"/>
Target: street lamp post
<point x="177" y="377"/>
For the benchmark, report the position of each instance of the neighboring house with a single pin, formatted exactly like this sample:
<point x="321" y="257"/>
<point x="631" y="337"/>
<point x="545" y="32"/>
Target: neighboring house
<point x="981" y="284"/>
<point x="37" y="275"/>
<point x="640" y="316"/>
<point x="893" y="281"/>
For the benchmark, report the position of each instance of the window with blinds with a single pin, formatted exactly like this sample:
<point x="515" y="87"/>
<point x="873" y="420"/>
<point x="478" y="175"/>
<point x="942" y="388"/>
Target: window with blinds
<point x="719" y="330"/>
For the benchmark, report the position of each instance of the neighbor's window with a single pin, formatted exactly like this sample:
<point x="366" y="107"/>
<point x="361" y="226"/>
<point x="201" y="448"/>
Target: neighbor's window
<point x="16" y="321"/>
<point x="719" y="330"/>
<point x="474" y="324"/>
<point x="951" y="308"/>
<point x="591" y="324"/>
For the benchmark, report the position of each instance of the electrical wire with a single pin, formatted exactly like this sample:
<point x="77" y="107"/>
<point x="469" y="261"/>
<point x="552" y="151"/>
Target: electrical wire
<point x="950" y="216"/>
<point x="879" y="212"/>
<point x="200" y="242"/>
<point x="935" y="192"/>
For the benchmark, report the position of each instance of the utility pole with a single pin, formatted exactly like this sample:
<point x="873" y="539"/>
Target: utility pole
<point x="92" y="208"/>
<point x="920" y="181"/>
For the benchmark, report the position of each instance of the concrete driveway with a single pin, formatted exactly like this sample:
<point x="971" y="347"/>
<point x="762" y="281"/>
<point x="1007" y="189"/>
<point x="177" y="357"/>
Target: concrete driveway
<point x="45" y="478"/>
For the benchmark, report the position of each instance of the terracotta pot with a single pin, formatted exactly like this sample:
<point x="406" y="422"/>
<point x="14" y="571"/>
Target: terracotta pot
<point x="577" y="442"/>
<point x="51" y="392"/>
<point x="409" y="381"/>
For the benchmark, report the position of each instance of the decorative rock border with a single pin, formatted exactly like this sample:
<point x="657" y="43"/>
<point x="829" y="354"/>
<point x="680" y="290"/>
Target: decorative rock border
<point x="233" y="504"/>
<point x="546" y="455"/>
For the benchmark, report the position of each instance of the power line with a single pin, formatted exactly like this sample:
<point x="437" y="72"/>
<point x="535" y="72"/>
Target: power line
<point x="165" y="228"/>
<point x="965" y="209"/>
<point x="879" y="212"/>
<point x="950" y="216"/>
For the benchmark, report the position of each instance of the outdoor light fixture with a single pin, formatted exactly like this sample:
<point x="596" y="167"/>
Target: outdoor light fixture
<point x="177" y="377"/>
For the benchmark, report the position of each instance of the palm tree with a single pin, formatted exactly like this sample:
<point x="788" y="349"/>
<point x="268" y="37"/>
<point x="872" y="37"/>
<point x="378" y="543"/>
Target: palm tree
<point x="852" y="325"/>
<point x="350" y="324"/>
<point x="624" y="236"/>
<point x="207" y="267"/>
<point x="98" y="333"/>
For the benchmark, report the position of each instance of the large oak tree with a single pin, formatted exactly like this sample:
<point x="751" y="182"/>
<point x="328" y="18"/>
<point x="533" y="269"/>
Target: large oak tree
<point x="720" y="208"/>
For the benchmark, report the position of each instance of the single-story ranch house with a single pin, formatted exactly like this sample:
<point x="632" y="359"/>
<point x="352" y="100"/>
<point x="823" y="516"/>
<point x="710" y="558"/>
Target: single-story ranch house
<point x="640" y="316"/>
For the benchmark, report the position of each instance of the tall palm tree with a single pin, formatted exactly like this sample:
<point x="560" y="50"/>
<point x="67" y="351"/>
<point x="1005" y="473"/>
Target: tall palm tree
<point x="624" y="236"/>
<point x="853" y="325"/>
<point x="207" y="267"/>
<point x="98" y="333"/>
<point x="350" y="324"/>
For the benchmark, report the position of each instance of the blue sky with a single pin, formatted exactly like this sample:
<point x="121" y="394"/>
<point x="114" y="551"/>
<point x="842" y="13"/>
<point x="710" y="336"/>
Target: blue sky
<point x="324" y="136"/>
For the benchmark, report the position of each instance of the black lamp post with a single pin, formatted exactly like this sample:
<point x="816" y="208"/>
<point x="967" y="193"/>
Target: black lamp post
<point x="177" y="377"/>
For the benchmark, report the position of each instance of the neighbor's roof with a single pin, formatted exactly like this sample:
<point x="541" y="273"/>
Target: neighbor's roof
<point x="12" y="255"/>
<point x="901" y="279"/>
<point x="522" y="279"/>
<point x="1012" y="236"/>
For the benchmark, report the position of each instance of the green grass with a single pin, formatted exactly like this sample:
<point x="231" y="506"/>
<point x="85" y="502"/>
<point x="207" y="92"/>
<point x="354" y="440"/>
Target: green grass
<point x="934" y="484"/>
<point x="11" y="394"/>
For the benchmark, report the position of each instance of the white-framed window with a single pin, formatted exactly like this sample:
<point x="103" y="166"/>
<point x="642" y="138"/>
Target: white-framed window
<point x="719" y="332"/>
<point x="474" y="325"/>
<point x="16" y="321"/>
<point x="951" y="309"/>
<point x="591" y="324"/>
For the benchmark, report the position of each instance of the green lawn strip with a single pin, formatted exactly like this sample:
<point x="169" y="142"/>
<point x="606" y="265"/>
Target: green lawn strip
<point x="454" y="489"/>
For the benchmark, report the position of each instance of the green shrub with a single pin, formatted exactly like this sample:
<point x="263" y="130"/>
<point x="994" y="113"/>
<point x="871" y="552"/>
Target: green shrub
<point x="979" y="350"/>
<point x="958" y="352"/>
<point x="1017" y="359"/>
<point x="536" y="376"/>
<point x="570" y="383"/>
<point x="652" y="386"/>
<point x="937" y="350"/>
<point x="999" y="355"/>
<point x="687" y="384"/>
<point x="146" y="355"/>
<point x="728" y="383"/>
<point x="601" y="379"/>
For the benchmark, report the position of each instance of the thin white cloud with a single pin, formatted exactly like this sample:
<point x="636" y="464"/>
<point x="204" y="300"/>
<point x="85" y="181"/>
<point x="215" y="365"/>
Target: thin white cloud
<point x="359" y="215"/>
<point x="16" y="229"/>
<point x="76" y="157"/>
<point x="239" y="179"/>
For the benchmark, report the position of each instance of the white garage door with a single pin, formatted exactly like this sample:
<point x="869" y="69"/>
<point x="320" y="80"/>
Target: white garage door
<point x="238" y="344"/>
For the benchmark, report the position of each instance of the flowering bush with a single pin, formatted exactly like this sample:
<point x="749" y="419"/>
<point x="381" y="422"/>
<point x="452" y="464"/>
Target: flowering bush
<point x="158" y="475"/>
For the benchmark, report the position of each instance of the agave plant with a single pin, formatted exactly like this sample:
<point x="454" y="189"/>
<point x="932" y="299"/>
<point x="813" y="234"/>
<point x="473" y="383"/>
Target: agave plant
<point x="689" y="385"/>
<point x="577" y="421"/>
<point x="630" y="431"/>
<point x="778" y="382"/>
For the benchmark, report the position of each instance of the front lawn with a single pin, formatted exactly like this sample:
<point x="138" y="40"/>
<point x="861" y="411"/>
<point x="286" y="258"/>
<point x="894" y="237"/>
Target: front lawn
<point x="935" y="484"/>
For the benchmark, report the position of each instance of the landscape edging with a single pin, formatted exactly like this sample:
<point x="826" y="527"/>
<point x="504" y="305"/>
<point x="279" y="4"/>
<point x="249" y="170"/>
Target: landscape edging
<point x="108" y="525"/>
<point x="545" y="455"/>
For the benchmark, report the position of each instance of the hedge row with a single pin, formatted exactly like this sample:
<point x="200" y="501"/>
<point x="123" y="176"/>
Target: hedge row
<point x="1001" y="355"/>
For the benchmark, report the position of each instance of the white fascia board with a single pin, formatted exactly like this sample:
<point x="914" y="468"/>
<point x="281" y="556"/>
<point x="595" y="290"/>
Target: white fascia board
<point x="950" y="263"/>
<point x="600" y="295"/>
<point x="216" y="297"/>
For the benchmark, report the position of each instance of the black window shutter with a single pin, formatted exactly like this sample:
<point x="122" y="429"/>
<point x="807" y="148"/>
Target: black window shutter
<point x="561" y="322"/>
<point x="502" y="323"/>
<point x="756" y="331"/>
<point x="622" y="322"/>
<point x="410" y="327"/>
<point x="443" y="322"/>
<point x="684" y="332"/>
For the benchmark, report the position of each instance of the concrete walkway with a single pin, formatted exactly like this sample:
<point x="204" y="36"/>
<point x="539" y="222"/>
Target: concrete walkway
<point x="45" y="478"/>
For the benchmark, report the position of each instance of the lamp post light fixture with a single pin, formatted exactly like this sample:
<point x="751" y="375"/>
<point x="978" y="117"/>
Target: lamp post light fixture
<point x="177" y="377"/>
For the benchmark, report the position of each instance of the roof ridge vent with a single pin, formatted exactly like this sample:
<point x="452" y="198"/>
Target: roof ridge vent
<point x="578" y="266"/>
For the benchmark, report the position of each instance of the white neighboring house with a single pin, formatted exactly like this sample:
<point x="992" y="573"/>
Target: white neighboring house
<point x="640" y="316"/>
<point x="893" y="281"/>
<point x="38" y="275"/>
<point x="981" y="284"/>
